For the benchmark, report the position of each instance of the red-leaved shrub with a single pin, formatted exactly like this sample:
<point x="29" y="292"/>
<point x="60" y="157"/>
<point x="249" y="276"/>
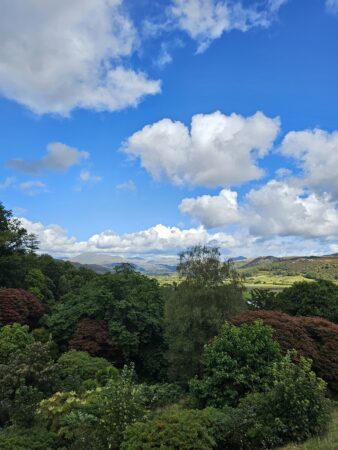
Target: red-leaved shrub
<point x="313" y="337"/>
<point x="19" y="306"/>
<point x="92" y="336"/>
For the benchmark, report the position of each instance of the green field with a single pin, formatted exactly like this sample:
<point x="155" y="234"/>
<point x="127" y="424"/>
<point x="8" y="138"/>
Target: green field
<point x="280" y="273"/>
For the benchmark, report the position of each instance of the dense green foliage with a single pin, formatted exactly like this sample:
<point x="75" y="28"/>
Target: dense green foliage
<point x="33" y="438"/>
<point x="96" y="418"/>
<point x="292" y="410"/>
<point x="114" y="361"/>
<point x="319" y="298"/>
<point x="13" y="338"/>
<point x="27" y="377"/>
<point x="75" y="368"/>
<point x="127" y="308"/>
<point x="235" y="362"/>
<point x="312" y="337"/>
<point x="175" y="430"/>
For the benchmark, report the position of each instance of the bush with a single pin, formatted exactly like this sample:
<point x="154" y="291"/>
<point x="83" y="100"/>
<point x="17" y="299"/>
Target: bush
<point x="160" y="395"/>
<point x="262" y="299"/>
<point x="27" y="377"/>
<point x="13" y="338"/>
<point x="236" y="362"/>
<point x="76" y="367"/>
<point x="294" y="409"/>
<point x="298" y="399"/>
<point x="174" y="430"/>
<point x="19" y="306"/>
<point x="34" y="438"/>
<point x="319" y="298"/>
<point x="312" y="337"/>
<point x="95" y="418"/>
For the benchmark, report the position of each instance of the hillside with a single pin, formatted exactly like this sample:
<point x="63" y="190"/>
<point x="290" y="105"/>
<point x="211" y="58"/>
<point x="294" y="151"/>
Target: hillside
<point x="309" y="267"/>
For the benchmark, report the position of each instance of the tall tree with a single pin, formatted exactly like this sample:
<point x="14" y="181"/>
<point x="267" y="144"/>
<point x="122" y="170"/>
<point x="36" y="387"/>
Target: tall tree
<point x="14" y="238"/>
<point x="211" y="291"/>
<point x="17" y="248"/>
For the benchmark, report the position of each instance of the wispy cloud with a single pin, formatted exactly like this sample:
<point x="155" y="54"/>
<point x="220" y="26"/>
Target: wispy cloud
<point x="59" y="158"/>
<point x="126" y="186"/>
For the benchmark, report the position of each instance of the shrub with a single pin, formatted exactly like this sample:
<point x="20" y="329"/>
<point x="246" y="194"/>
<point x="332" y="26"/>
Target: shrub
<point x="293" y="409"/>
<point x="312" y="337"/>
<point x="160" y="395"/>
<point x="319" y="298"/>
<point x="76" y="367"/>
<point x="262" y="299"/>
<point x="174" y="430"/>
<point x="13" y="338"/>
<point x="95" y="418"/>
<point x="19" y="306"/>
<point x="34" y="438"/>
<point x="28" y="376"/>
<point x="236" y="362"/>
<point x="298" y="399"/>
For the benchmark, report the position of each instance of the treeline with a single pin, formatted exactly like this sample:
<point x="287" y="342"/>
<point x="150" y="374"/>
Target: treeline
<point x="115" y="361"/>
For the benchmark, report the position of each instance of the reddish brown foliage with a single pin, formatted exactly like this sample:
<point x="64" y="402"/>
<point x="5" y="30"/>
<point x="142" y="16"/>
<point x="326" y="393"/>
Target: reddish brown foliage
<point x="19" y="306"/>
<point x="92" y="336"/>
<point x="312" y="337"/>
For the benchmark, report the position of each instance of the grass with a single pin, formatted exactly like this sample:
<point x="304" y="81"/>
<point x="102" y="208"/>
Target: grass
<point x="327" y="442"/>
<point x="260" y="280"/>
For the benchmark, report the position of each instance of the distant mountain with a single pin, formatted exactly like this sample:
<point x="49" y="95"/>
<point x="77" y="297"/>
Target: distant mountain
<point x="238" y="258"/>
<point x="261" y="260"/>
<point x="101" y="263"/>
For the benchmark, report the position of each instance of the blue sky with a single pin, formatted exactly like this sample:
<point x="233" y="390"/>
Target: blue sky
<point x="239" y="101"/>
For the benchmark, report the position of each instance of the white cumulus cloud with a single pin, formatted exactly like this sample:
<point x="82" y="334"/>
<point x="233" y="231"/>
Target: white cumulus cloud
<point x="218" y="150"/>
<point x="316" y="152"/>
<point x="58" y="55"/>
<point x="285" y="210"/>
<point x="213" y="211"/>
<point x="55" y="240"/>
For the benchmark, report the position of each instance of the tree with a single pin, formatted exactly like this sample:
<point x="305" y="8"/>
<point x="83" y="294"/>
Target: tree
<point x="202" y="266"/>
<point x="236" y="362"/>
<point x="210" y="293"/>
<point x="17" y="249"/>
<point x="312" y="337"/>
<point x="20" y="306"/>
<point x="92" y="336"/>
<point x="14" y="238"/>
<point x="318" y="298"/>
<point x="125" y="309"/>
<point x="13" y="338"/>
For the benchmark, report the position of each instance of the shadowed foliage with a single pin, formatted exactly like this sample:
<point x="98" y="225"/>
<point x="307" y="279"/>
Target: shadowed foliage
<point x="312" y="337"/>
<point x="19" y="306"/>
<point x="92" y="336"/>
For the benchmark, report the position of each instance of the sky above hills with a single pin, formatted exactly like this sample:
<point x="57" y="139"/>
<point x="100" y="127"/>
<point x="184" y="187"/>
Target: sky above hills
<point x="146" y="127"/>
